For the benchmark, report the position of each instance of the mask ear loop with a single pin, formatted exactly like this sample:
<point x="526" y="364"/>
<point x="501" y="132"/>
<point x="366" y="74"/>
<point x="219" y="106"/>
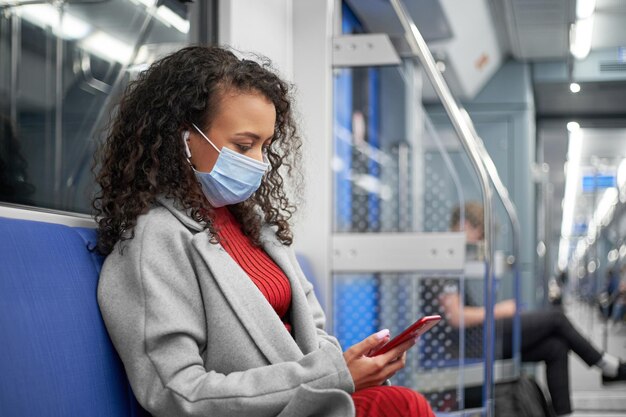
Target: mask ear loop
<point x="185" y="140"/>
<point x="207" y="139"/>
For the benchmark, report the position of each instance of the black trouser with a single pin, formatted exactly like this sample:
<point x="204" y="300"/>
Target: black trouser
<point x="548" y="336"/>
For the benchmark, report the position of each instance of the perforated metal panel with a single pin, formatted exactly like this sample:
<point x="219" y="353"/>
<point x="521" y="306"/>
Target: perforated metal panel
<point x="387" y="187"/>
<point x="438" y="204"/>
<point x="367" y="303"/>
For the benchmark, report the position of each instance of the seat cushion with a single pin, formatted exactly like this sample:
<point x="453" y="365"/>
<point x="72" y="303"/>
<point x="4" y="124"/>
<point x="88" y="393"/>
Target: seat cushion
<point x="56" y="358"/>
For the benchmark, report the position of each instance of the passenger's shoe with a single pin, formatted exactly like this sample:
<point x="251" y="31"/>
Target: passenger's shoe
<point x="620" y="377"/>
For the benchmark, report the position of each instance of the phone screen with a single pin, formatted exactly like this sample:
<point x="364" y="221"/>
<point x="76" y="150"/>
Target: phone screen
<point x="418" y="328"/>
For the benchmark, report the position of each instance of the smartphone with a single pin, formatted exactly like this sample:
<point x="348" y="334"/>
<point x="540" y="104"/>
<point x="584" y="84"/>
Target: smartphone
<point x="416" y="329"/>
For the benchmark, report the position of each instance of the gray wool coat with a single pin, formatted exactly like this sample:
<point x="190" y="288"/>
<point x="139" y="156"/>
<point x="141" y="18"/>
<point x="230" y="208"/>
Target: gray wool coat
<point x="197" y="338"/>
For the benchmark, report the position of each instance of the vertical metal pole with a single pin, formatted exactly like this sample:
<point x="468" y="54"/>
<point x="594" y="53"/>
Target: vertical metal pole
<point x="420" y="49"/>
<point x="511" y="211"/>
<point x="593" y="256"/>
<point x="548" y="193"/>
<point x="204" y="20"/>
<point x="48" y="136"/>
<point x="16" y="43"/>
<point x="58" y="111"/>
<point x="404" y="220"/>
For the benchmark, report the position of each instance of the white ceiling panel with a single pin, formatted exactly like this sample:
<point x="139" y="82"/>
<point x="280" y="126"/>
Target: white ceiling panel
<point x="543" y="43"/>
<point x="609" y="28"/>
<point x="537" y="29"/>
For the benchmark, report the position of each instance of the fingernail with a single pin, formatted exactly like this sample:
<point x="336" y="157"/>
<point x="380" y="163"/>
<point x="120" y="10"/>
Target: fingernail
<point x="382" y="334"/>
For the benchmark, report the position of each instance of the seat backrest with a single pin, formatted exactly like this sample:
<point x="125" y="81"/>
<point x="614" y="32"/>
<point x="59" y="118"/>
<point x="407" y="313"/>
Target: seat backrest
<point x="307" y="269"/>
<point x="56" y="358"/>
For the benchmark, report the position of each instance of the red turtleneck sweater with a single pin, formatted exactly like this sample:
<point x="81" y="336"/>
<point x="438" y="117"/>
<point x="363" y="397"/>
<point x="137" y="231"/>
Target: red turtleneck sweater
<point x="261" y="269"/>
<point x="380" y="401"/>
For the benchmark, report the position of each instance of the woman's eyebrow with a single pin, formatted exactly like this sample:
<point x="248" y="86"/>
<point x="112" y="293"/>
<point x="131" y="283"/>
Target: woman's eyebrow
<point x="252" y="135"/>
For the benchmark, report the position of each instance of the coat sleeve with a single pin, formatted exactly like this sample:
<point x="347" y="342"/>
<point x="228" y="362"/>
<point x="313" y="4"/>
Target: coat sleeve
<point x="316" y="309"/>
<point x="153" y="309"/>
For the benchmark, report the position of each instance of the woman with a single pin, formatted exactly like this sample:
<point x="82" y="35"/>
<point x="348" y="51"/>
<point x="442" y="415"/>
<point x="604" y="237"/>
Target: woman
<point x="200" y="291"/>
<point x="546" y="335"/>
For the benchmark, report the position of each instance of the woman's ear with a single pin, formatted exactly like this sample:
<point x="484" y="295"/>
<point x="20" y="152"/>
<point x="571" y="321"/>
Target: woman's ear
<point x="185" y="140"/>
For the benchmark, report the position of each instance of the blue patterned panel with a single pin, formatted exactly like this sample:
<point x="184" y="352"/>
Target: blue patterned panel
<point x="355" y="307"/>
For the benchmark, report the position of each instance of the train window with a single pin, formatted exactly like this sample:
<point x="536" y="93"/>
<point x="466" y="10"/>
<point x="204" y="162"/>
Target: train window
<point x="62" y="67"/>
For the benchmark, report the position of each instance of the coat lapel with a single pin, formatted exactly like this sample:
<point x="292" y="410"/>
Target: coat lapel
<point x="248" y="303"/>
<point x="301" y="318"/>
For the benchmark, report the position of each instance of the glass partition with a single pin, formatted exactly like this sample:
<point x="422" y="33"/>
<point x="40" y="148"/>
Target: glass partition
<point x="399" y="169"/>
<point x="395" y="175"/>
<point x="62" y="66"/>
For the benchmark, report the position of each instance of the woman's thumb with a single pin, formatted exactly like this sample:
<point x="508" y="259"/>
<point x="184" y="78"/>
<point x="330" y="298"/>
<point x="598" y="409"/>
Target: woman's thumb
<point x="379" y="335"/>
<point x="365" y="346"/>
<point x="375" y="340"/>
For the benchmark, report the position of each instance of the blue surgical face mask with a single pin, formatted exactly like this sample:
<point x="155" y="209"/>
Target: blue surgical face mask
<point x="234" y="177"/>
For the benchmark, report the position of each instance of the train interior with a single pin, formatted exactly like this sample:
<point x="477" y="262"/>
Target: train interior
<point x="410" y="110"/>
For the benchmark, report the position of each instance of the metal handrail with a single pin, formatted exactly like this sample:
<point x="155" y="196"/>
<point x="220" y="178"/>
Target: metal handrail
<point x="500" y="188"/>
<point x="511" y="211"/>
<point x="469" y="141"/>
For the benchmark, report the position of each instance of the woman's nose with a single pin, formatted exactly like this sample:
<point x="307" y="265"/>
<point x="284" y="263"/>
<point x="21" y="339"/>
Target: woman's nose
<point x="258" y="154"/>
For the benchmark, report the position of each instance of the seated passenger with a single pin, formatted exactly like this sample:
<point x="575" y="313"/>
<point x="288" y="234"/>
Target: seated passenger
<point x="546" y="335"/>
<point x="201" y="292"/>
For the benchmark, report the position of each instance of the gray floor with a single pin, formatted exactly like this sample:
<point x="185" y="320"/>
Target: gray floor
<point x="590" y="398"/>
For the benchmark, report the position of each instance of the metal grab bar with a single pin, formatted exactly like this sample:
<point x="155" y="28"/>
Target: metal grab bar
<point x="511" y="211"/>
<point x="469" y="141"/>
<point x="500" y="188"/>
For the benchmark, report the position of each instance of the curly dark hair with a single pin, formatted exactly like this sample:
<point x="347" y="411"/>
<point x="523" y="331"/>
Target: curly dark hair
<point x="143" y="156"/>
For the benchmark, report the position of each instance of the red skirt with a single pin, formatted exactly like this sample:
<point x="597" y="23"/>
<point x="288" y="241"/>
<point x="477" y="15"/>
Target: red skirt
<point x="390" y="401"/>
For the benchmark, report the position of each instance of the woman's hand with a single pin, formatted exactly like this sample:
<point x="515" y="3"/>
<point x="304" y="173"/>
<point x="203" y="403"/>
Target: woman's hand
<point x="369" y="372"/>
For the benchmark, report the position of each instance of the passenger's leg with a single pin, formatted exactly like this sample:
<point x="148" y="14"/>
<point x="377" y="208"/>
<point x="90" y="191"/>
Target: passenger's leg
<point x="537" y="325"/>
<point x="553" y="351"/>
<point x="579" y="344"/>
<point x="540" y="324"/>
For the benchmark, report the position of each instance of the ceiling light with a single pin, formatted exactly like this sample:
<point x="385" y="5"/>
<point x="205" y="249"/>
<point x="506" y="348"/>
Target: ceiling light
<point x="592" y="266"/>
<point x="45" y="15"/>
<point x="572" y="181"/>
<point x="147" y="3"/>
<point x="621" y="173"/>
<point x="573" y="126"/>
<point x="574" y="87"/>
<point x="580" y="37"/>
<point x="441" y="66"/>
<point x="581" y="248"/>
<point x="108" y="47"/>
<point x="585" y="8"/>
<point x="171" y="18"/>
<point x="564" y="247"/>
<point x="604" y="208"/>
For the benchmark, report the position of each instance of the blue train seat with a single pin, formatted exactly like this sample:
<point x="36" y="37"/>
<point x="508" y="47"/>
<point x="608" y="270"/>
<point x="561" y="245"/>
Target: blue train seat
<point x="56" y="358"/>
<point x="307" y="269"/>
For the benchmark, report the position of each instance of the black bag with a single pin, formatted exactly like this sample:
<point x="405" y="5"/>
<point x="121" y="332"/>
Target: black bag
<point x="522" y="397"/>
